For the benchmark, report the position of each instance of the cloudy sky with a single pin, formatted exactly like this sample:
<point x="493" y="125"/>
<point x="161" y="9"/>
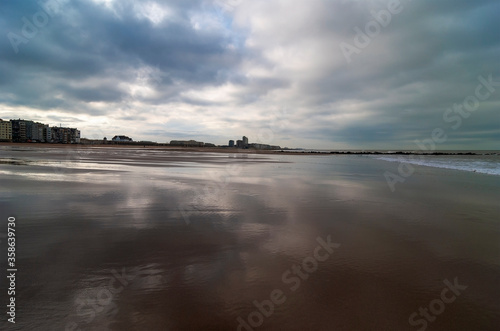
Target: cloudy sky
<point x="337" y="74"/>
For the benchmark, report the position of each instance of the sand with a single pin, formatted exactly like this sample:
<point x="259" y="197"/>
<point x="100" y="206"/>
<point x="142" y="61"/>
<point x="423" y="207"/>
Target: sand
<point x="131" y="239"/>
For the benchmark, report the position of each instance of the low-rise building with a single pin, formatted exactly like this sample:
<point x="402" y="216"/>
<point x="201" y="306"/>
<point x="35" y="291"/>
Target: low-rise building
<point x="187" y="143"/>
<point x="264" y="147"/>
<point x="121" y="139"/>
<point x="65" y="135"/>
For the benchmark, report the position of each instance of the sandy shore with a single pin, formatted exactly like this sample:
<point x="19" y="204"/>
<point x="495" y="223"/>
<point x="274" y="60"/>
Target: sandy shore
<point x="191" y="242"/>
<point x="227" y="150"/>
<point x="148" y="147"/>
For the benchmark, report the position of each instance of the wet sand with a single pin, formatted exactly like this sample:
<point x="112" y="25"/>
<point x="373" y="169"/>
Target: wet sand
<point x="128" y="239"/>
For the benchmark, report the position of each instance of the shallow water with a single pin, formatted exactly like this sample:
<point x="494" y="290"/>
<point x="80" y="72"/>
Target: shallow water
<point x="125" y="239"/>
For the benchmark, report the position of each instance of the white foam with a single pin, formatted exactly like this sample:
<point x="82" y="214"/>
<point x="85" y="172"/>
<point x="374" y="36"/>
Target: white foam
<point x="479" y="164"/>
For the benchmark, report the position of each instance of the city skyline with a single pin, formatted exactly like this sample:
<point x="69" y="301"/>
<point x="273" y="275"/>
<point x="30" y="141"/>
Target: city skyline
<point x="364" y="74"/>
<point x="25" y="131"/>
<point x="28" y="131"/>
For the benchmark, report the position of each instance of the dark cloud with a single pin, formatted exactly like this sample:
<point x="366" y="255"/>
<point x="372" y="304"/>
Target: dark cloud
<point x="179" y="68"/>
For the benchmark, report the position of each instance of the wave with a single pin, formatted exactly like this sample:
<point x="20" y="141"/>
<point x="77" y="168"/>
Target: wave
<point x="480" y="164"/>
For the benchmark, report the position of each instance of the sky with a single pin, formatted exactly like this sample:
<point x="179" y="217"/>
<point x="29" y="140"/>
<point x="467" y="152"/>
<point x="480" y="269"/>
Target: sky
<point x="346" y="74"/>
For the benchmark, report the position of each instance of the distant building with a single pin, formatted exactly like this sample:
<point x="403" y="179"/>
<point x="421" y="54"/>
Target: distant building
<point x="76" y="135"/>
<point x="29" y="131"/>
<point x="47" y="133"/>
<point x="264" y="147"/>
<point x="121" y="139"/>
<point x="18" y="131"/>
<point x="187" y="143"/>
<point x="243" y="143"/>
<point x="65" y="135"/>
<point x="5" y="130"/>
<point x="35" y="132"/>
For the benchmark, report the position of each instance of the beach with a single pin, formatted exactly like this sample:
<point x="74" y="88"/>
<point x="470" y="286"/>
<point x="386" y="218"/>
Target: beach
<point x="135" y="239"/>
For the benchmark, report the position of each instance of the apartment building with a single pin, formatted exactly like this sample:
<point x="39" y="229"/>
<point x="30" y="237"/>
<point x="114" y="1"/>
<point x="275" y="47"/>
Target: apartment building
<point x="19" y="131"/>
<point x="5" y="130"/>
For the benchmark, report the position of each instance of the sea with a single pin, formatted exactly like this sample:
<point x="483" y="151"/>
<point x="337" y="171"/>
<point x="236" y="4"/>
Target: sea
<point x="485" y="162"/>
<point x="482" y="162"/>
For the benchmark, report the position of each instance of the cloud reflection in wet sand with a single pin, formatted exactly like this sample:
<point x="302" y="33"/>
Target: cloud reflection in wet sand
<point x="95" y="218"/>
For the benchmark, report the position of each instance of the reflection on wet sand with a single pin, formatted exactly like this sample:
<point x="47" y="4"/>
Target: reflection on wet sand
<point x="104" y="242"/>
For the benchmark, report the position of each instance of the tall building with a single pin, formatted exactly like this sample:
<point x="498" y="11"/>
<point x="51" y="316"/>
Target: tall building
<point x="36" y="131"/>
<point x="30" y="125"/>
<point x="231" y="143"/>
<point x="77" y="135"/>
<point x="19" y="131"/>
<point x="245" y="142"/>
<point x="29" y="131"/>
<point x="56" y="134"/>
<point x="5" y="130"/>
<point x="47" y="133"/>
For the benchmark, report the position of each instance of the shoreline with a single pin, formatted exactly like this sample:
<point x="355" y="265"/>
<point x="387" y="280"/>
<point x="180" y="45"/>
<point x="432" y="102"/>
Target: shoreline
<point x="229" y="150"/>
